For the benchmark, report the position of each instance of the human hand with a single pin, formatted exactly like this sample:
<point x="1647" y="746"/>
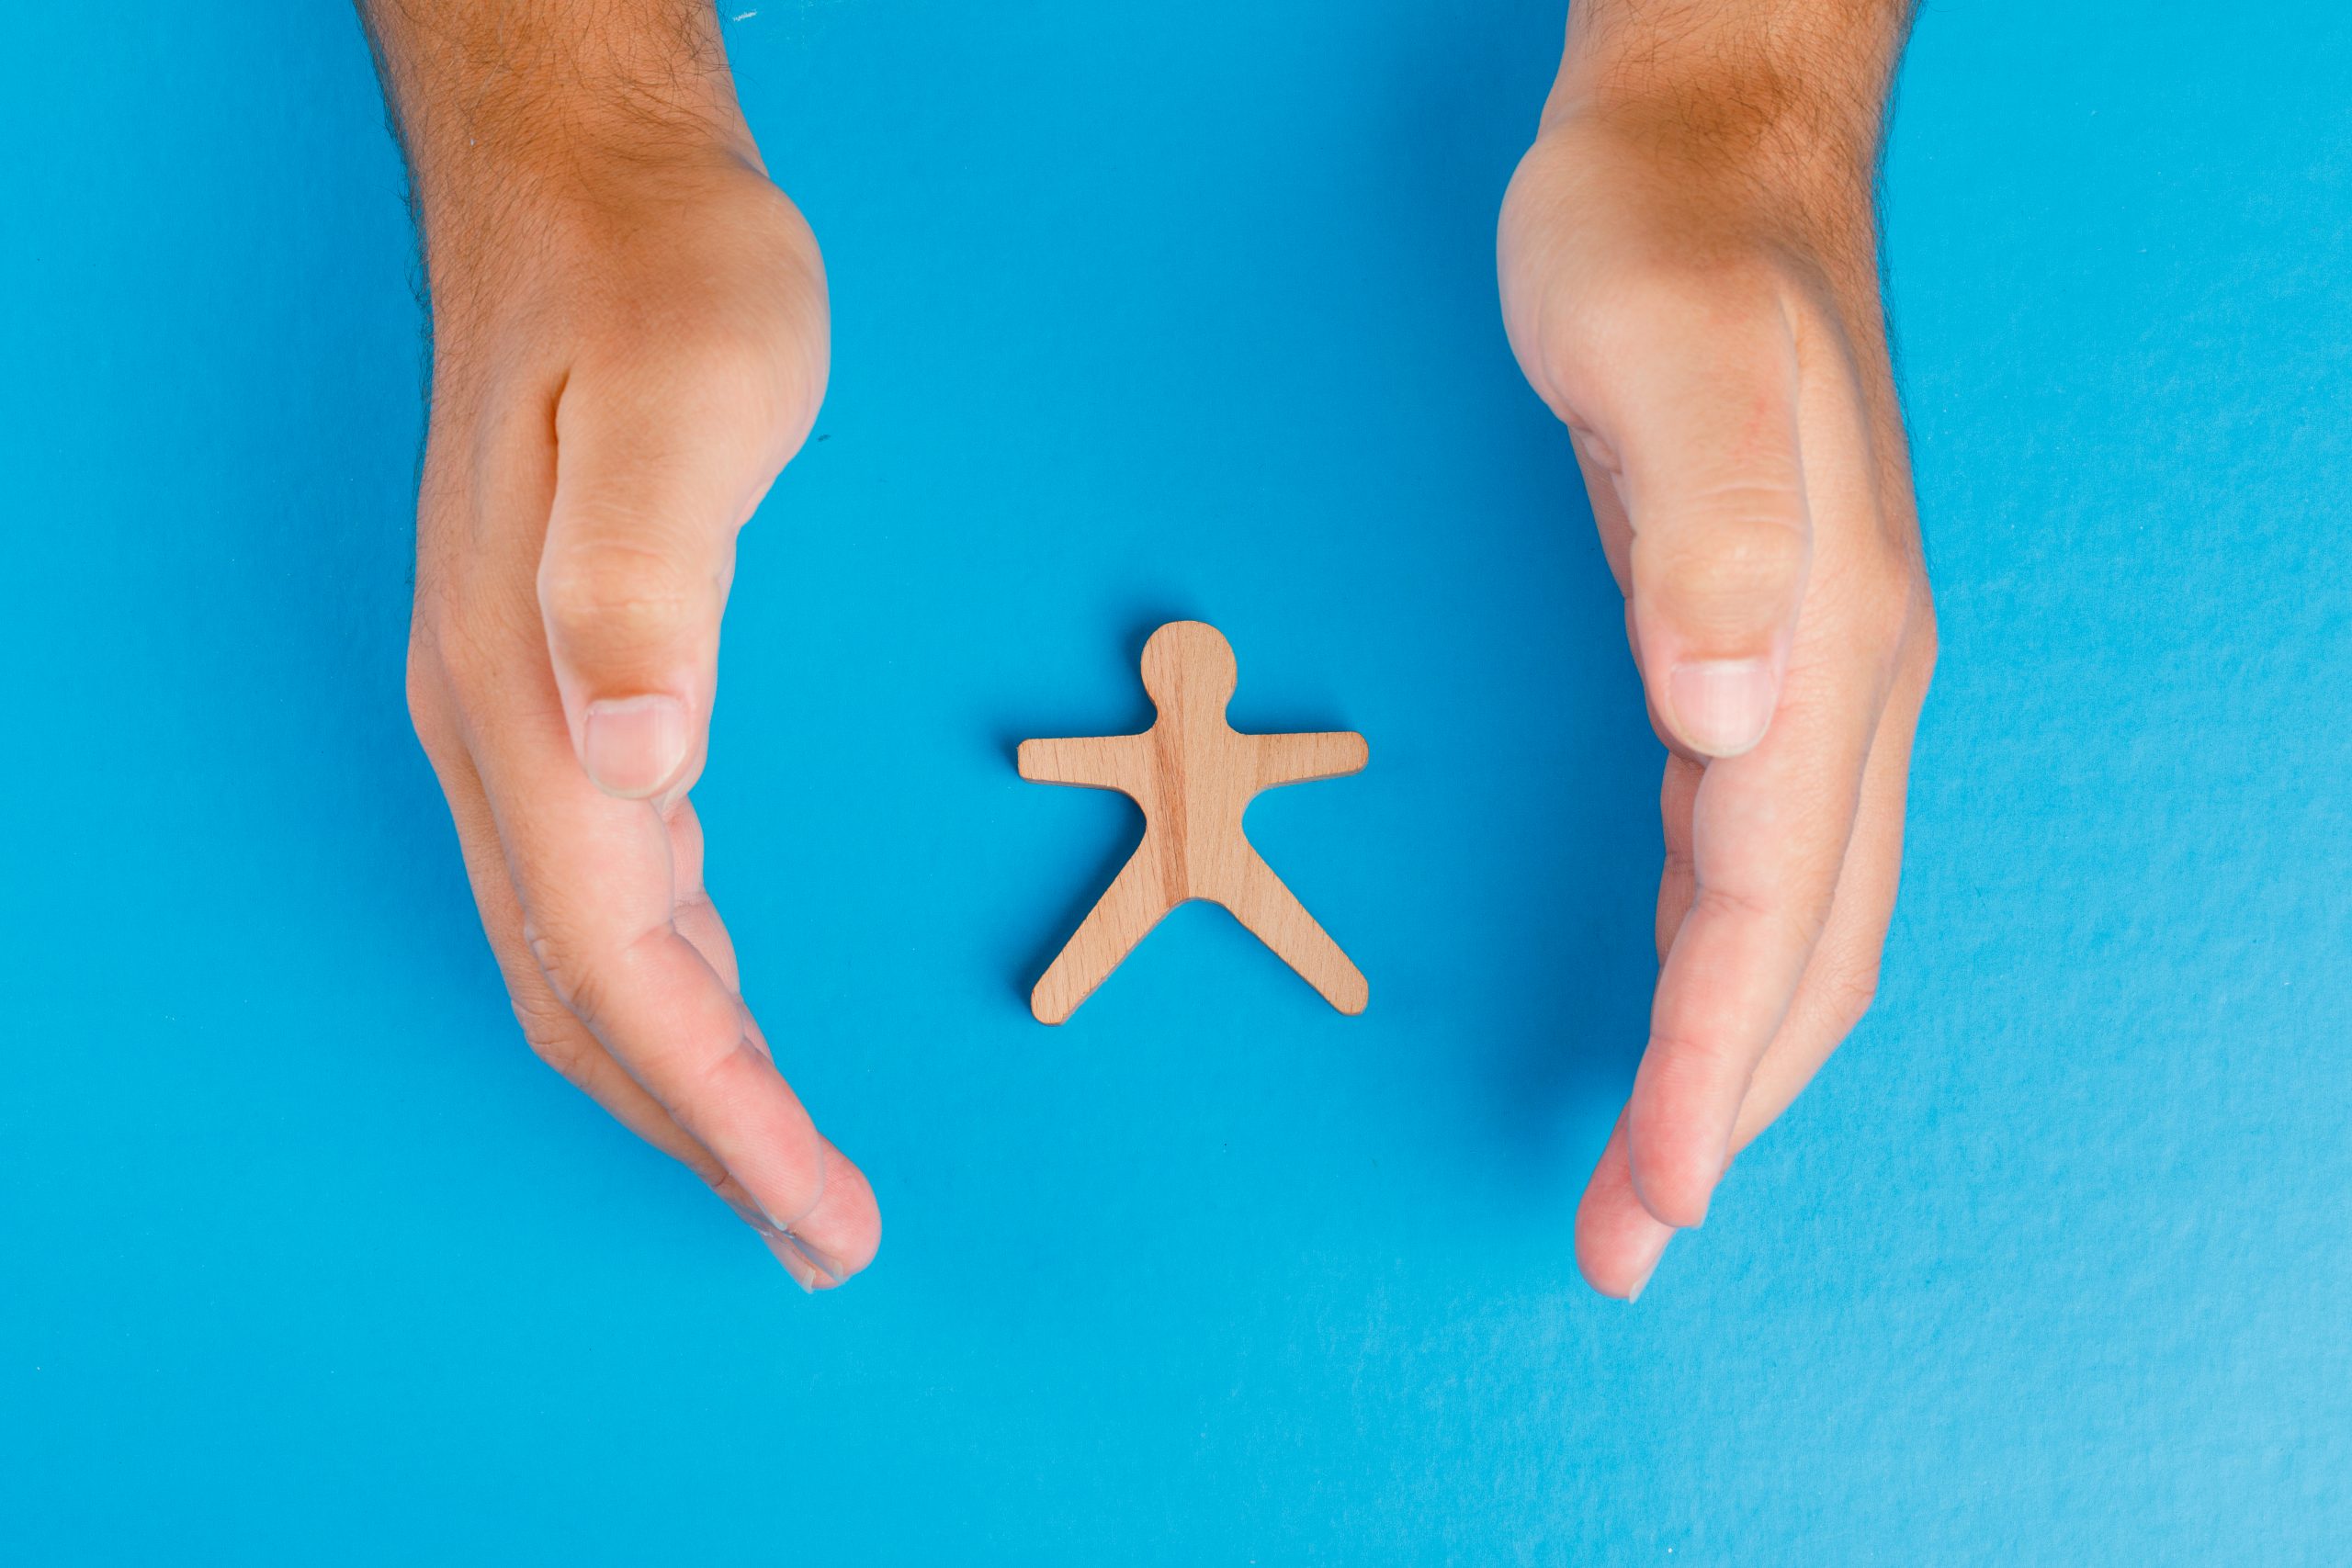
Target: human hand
<point x="630" y="341"/>
<point x="1688" y="273"/>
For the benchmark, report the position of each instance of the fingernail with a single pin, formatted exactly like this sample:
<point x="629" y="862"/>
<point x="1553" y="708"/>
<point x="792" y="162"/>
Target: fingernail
<point x="1721" y="707"/>
<point x="804" y="1273"/>
<point x="1643" y="1282"/>
<point x="633" y="745"/>
<point x="835" y="1271"/>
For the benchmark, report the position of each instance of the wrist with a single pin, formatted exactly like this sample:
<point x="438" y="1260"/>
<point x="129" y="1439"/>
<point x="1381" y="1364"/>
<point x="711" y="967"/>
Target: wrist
<point x="1710" y="191"/>
<point x="530" y="129"/>
<point x="486" y="212"/>
<point x="1784" y="97"/>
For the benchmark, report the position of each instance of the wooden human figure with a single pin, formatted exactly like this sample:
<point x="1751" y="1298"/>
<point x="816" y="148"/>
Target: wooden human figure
<point x="1193" y="774"/>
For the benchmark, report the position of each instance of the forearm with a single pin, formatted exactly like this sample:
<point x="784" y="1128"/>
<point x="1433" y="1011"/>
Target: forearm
<point x="507" y="107"/>
<point x="1795" y="86"/>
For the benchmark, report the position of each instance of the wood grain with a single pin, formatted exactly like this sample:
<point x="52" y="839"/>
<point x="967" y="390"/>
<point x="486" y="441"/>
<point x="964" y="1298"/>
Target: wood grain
<point x="1193" y="774"/>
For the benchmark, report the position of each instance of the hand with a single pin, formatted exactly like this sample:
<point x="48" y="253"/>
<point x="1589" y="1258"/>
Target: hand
<point x="1694" y="292"/>
<point x="624" y="357"/>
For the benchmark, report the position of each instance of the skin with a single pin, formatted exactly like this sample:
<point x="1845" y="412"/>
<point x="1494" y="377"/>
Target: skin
<point x="630" y="341"/>
<point x="1688" y="266"/>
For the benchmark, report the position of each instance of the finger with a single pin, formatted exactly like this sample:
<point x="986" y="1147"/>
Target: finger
<point x="1619" y="1242"/>
<point x="1678" y="881"/>
<point x="827" y="1235"/>
<point x="499" y="567"/>
<point x="554" y="1033"/>
<point x="595" y="877"/>
<point x="840" y="1228"/>
<point x="1768" y="832"/>
<point x="698" y="917"/>
<point x="1841" y="980"/>
<point x="1606" y="493"/>
<point x="658" y="465"/>
<point x="558" y="1038"/>
<point x="1696" y="430"/>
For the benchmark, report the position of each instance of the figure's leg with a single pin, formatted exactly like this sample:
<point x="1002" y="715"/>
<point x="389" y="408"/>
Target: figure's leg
<point x="1259" y="900"/>
<point x="1135" y="901"/>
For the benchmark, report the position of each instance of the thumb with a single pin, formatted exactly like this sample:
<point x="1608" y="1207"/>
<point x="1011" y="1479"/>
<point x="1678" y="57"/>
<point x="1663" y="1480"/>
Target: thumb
<point x="1701" y="442"/>
<point x="649" y="494"/>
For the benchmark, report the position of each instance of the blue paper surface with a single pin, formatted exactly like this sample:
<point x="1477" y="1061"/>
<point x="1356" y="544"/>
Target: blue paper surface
<point x="1140" y="313"/>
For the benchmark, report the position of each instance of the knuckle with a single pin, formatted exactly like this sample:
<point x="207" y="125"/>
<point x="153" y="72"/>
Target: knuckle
<point x="427" y="696"/>
<point x="1692" y="1048"/>
<point x="613" y="594"/>
<point x="1920" y="646"/>
<point x="718" y="1073"/>
<point x="554" y="1036"/>
<point x="436" y="686"/>
<point x="1848" y="995"/>
<point x="1741" y="557"/>
<point x="570" y="968"/>
<point x="1889" y="605"/>
<point x="1800" y="924"/>
<point x="461" y="668"/>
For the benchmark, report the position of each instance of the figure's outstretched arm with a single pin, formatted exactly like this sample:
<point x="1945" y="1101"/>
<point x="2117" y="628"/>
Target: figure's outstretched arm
<point x="1135" y="901"/>
<point x="1094" y="761"/>
<point x="1259" y="900"/>
<point x="1296" y="758"/>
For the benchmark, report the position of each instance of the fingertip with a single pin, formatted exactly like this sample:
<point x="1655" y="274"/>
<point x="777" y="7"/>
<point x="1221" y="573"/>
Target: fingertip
<point x="1643" y="1282"/>
<point x="1617" y="1239"/>
<point x="849" y="1224"/>
<point x="807" y="1272"/>
<point x="842" y="1231"/>
<point x="1619" y="1242"/>
<point x="1672" y="1198"/>
<point x="1671" y="1177"/>
<point x="1619" y="1262"/>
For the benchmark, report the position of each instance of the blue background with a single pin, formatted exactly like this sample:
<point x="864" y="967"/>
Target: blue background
<point x="1144" y="312"/>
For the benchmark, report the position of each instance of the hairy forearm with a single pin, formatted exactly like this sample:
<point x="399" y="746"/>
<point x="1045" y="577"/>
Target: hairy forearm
<point x="502" y="105"/>
<point x="1798" y="82"/>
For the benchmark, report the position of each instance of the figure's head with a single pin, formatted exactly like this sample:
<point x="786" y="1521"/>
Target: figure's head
<point x="1188" y="668"/>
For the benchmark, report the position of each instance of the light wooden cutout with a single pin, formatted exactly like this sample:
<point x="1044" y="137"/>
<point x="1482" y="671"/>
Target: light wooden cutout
<point x="1193" y="774"/>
